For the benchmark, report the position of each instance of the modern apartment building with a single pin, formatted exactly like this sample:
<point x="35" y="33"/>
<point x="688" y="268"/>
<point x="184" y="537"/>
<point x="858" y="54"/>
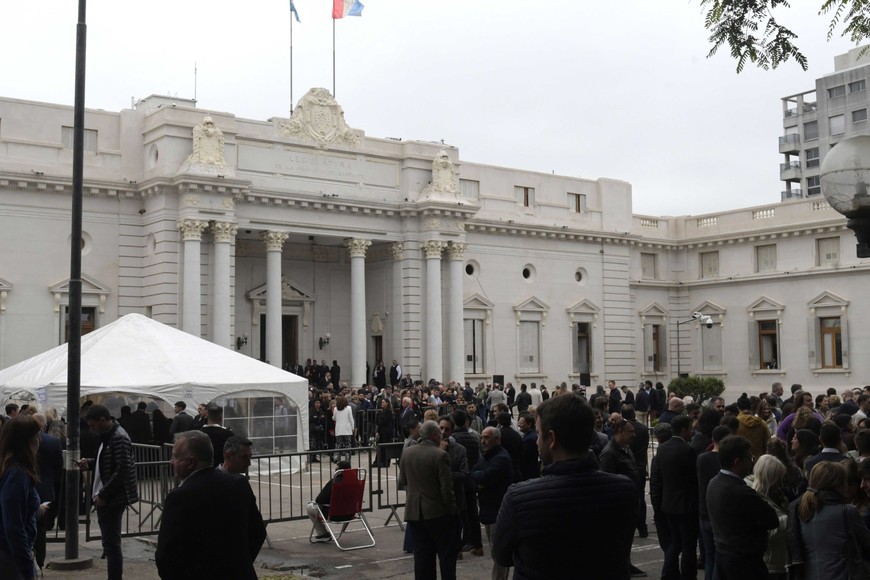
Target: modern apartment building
<point x="814" y="121"/>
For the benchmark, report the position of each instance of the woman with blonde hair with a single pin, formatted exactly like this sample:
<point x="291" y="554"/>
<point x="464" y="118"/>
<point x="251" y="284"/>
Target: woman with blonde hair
<point x="342" y="416"/>
<point x="825" y="533"/>
<point x="766" y="479"/>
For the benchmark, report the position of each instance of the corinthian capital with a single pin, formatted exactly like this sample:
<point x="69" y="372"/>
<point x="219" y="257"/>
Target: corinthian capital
<point x="224" y="231"/>
<point x="357" y="247"/>
<point x="397" y="250"/>
<point x="433" y="248"/>
<point x="274" y="241"/>
<point x="457" y="250"/>
<point x="191" y="230"/>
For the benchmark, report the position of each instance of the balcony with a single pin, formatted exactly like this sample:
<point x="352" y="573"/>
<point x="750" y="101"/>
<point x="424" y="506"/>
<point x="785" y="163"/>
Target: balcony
<point x="792" y="194"/>
<point x="790" y="171"/>
<point x="789" y="143"/>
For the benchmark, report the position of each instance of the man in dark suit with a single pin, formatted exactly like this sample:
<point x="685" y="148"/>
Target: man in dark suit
<point x="182" y="421"/>
<point x="640" y="449"/>
<point x="430" y="504"/>
<point x="140" y="425"/>
<point x="216" y="431"/>
<point x="830" y="438"/>
<point x="677" y="478"/>
<point x="49" y="461"/>
<point x="739" y="516"/>
<point x="211" y="526"/>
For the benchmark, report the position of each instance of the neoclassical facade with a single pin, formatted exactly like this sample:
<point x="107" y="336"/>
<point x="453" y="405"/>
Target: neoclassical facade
<point x="299" y="238"/>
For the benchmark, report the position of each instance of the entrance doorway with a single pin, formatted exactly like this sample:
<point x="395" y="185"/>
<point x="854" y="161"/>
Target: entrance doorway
<point x="289" y="340"/>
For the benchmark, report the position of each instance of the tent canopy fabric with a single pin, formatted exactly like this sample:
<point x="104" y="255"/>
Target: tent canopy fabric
<point x="138" y="355"/>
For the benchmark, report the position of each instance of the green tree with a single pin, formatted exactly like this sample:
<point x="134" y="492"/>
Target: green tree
<point x="699" y="388"/>
<point x="753" y="33"/>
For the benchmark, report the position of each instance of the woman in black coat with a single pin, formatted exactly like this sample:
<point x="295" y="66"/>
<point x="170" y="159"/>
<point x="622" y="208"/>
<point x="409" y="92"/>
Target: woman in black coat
<point x="385" y="431"/>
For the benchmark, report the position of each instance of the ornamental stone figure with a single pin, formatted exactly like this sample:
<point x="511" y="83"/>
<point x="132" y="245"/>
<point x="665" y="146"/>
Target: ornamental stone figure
<point x="208" y="151"/>
<point x="208" y="143"/>
<point x="444" y="185"/>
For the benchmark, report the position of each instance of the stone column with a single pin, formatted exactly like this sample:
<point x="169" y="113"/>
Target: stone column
<point x="396" y="316"/>
<point x="434" y="365"/>
<point x="456" y="330"/>
<point x="191" y="299"/>
<point x="223" y="233"/>
<point x="274" y="246"/>
<point x="357" y="250"/>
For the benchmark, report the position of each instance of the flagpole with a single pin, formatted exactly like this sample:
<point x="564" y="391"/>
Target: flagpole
<point x="333" y="58"/>
<point x="291" y="63"/>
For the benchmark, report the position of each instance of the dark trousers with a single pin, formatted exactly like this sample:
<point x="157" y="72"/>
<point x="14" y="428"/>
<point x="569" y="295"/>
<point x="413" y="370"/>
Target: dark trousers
<point x="109" y="519"/>
<point x="663" y="531"/>
<point x="740" y="567"/>
<point x="439" y="536"/>
<point x="709" y="548"/>
<point x="39" y="542"/>
<point x="681" y="561"/>
<point x="641" y="511"/>
<point x="471" y="522"/>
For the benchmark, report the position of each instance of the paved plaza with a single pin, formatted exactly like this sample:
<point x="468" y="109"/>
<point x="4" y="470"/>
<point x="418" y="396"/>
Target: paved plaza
<point x="291" y="555"/>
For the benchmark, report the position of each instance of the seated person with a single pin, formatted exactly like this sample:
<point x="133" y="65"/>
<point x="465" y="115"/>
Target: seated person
<point x="322" y="500"/>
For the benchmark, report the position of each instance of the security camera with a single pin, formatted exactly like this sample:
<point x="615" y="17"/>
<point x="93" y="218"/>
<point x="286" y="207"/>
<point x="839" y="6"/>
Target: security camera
<point x="707" y="321"/>
<point x="697" y="315"/>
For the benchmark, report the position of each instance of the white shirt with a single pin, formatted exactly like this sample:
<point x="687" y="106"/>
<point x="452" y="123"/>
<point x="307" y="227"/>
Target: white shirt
<point x="537" y="398"/>
<point x="343" y="421"/>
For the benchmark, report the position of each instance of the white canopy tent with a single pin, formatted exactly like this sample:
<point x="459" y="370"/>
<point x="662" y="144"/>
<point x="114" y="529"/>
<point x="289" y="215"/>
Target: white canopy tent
<point x="138" y="356"/>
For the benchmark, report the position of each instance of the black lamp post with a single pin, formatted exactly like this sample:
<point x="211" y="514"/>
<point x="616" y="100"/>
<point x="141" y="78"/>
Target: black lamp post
<point x="844" y="176"/>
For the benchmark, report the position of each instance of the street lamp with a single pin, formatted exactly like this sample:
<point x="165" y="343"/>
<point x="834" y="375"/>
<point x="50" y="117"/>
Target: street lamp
<point x="704" y="320"/>
<point x="844" y="177"/>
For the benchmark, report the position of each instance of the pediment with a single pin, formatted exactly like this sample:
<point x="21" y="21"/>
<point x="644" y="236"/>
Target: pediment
<point x="765" y="303"/>
<point x="89" y="286"/>
<point x="4" y="285"/>
<point x="708" y="307"/>
<point x="827" y="299"/>
<point x="478" y="302"/>
<point x="533" y="304"/>
<point x="653" y="309"/>
<point x="583" y="307"/>
<point x="289" y="291"/>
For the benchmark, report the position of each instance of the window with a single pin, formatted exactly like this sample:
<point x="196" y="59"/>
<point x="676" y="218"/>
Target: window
<point x="525" y="195"/>
<point x="831" y="343"/>
<point x="90" y="139"/>
<point x="812" y="157"/>
<point x="709" y="264"/>
<point x="827" y="251"/>
<point x="89" y="321"/>
<point x="768" y="344"/>
<point x="470" y="189"/>
<point x="577" y="202"/>
<point x="648" y="266"/>
<point x="474" y="346"/>
<point x="859" y="115"/>
<point x="711" y="347"/>
<point x="857" y="86"/>
<point x="811" y="130"/>
<point x="765" y="258"/>
<point x="657" y="348"/>
<point x="529" y="351"/>
<point x="837" y="124"/>
<point x="582" y="347"/>
<point x="838" y="91"/>
<point x="814" y="185"/>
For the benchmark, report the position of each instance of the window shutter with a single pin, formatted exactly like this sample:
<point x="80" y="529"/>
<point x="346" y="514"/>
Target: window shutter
<point x="754" y="363"/>
<point x="814" y="342"/>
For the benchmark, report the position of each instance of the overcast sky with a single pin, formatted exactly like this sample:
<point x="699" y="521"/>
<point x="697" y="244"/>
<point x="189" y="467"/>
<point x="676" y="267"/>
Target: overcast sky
<point x="591" y="89"/>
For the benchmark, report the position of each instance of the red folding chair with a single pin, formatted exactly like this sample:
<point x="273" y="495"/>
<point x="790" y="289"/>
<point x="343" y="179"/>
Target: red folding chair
<point x="345" y="507"/>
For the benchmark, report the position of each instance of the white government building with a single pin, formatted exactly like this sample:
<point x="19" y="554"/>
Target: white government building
<point x="305" y="238"/>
